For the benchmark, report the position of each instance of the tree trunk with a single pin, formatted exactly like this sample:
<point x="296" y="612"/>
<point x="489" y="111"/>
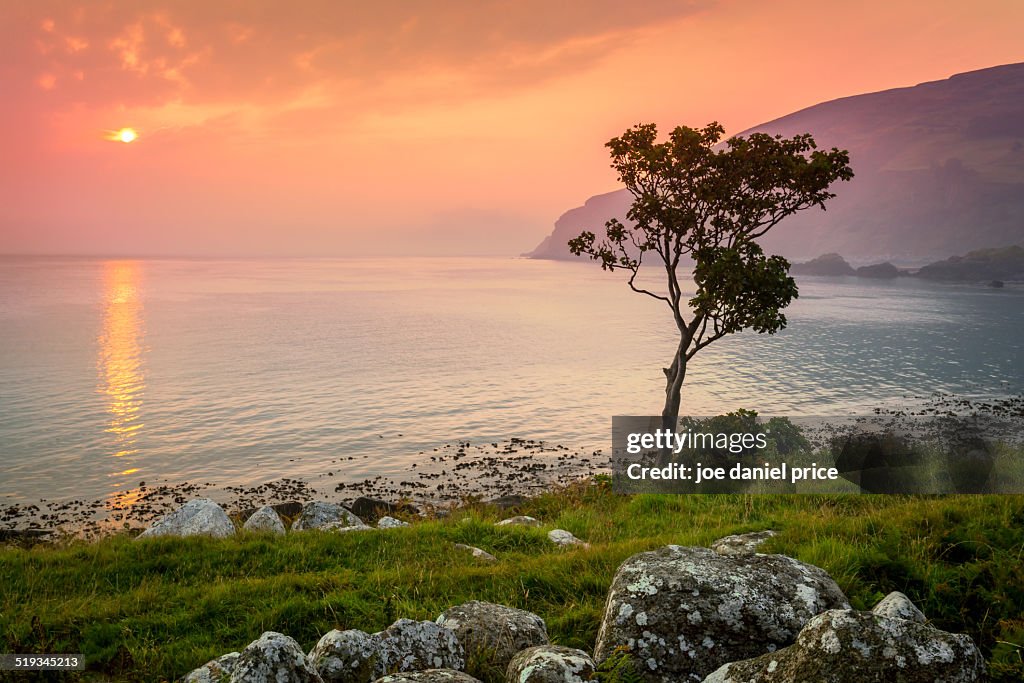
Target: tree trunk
<point x="674" y="376"/>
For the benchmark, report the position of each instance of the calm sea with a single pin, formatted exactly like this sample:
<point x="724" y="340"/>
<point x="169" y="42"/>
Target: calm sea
<point x="240" y="372"/>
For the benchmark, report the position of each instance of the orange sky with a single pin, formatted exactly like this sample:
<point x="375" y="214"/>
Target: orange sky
<point x="330" y="127"/>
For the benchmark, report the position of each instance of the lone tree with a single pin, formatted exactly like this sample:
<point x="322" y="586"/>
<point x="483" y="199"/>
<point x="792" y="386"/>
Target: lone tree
<point x="697" y="212"/>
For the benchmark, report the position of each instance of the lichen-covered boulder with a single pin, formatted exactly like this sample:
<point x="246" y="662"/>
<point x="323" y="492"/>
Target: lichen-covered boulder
<point x="476" y="552"/>
<point x="844" y="646"/>
<point x="520" y="520"/>
<point x="429" y="676"/>
<point x="214" y="671"/>
<point x="409" y="645"/>
<point x="550" y="664"/>
<point x="387" y="522"/>
<point x="199" y="517"/>
<point x="565" y="539"/>
<point x="265" y="521"/>
<point x="493" y="634"/>
<point x="898" y="606"/>
<point x="345" y="656"/>
<point x="322" y="515"/>
<point x="274" y="658"/>
<point x="741" y="544"/>
<point x="683" y="612"/>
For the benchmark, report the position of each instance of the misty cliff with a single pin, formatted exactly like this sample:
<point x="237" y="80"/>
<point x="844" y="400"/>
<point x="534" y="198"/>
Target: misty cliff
<point x="939" y="171"/>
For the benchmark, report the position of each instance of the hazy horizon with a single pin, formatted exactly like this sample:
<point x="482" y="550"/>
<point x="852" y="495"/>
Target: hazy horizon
<point x="466" y="129"/>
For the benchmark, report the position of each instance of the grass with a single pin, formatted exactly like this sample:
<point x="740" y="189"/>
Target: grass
<point x="153" y="610"/>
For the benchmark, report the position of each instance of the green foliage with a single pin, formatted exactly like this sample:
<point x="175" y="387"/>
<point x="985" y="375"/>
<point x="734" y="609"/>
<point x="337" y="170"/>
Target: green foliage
<point x="618" y="668"/>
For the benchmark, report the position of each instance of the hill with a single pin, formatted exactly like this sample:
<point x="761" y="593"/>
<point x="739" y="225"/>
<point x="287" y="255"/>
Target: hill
<point x="940" y="171"/>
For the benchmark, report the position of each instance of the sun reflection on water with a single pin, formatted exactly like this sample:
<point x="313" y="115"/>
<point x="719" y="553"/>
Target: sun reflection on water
<point x="121" y="372"/>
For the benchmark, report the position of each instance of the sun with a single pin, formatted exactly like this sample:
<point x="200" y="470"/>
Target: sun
<point x="124" y="135"/>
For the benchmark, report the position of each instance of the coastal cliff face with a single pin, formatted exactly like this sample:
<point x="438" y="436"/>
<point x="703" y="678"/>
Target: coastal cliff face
<point x="939" y="171"/>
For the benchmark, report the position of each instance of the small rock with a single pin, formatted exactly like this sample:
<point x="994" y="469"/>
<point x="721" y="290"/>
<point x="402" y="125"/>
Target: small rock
<point x="345" y="656"/>
<point x="274" y="658"/>
<point x="320" y="514"/>
<point x="564" y="538"/>
<point x="390" y="523"/>
<point x="520" y="520"/>
<point x="550" y="664"/>
<point x="509" y="502"/>
<point x="845" y="646"/>
<point x="373" y="508"/>
<point x="741" y="544"/>
<point x="477" y="553"/>
<point x="409" y="645"/>
<point x="429" y="676"/>
<point x="199" y="517"/>
<point x="214" y="671"/>
<point x="264" y="520"/>
<point x="898" y="606"/>
<point x="494" y="632"/>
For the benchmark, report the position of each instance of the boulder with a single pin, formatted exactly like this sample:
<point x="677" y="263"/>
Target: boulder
<point x="409" y="645"/>
<point x="274" y="658"/>
<point x="550" y="664"/>
<point x="214" y="671"/>
<point x="564" y="538"/>
<point x="844" y="646"/>
<point x="519" y="520"/>
<point x="345" y="656"/>
<point x="265" y="520"/>
<point x="199" y="517"/>
<point x="683" y="612"/>
<point x="323" y="515"/>
<point x="494" y="633"/>
<point x="429" y="676"/>
<point x="898" y="606"/>
<point x="477" y="553"/>
<point x="741" y="544"/>
<point x="390" y="523"/>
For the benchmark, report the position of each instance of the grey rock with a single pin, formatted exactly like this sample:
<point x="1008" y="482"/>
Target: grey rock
<point x="409" y="645"/>
<point x="199" y="517"/>
<point x="844" y="646"/>
<point x="214" y="671"/>
<point x="520" y="520"/>
<point x="494" y="633"/>
<point x="265" y="520"/>
<point x="509" y="502"/>
<point x="741" y="544"/>
<point x="274" y="658"/>
<point x="477" y="552"/>
<point x="323" y="515"/>
<point x="550" y="664"/>
<point x="390" y="523"/>
<point x="684" y="612"/>
<point x="429" y="676"/>
<point x="564" y="538"/>
<point x="345" y="656"/>
<point x="898" y="606"/>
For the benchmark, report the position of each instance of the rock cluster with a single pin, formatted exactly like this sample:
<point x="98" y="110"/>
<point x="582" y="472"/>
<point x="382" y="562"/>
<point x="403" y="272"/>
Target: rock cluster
<point x="203" y="517"/>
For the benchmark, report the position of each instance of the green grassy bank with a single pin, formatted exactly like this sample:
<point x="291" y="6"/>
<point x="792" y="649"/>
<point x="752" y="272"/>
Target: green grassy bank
<point x="155" y="609"/>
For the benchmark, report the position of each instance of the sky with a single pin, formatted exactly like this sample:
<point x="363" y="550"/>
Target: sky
<point x="402" y="128"/>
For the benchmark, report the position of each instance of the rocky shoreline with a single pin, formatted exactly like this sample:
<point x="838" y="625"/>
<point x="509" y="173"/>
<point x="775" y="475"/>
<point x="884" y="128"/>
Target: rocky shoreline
<point x="446" y="477"/>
